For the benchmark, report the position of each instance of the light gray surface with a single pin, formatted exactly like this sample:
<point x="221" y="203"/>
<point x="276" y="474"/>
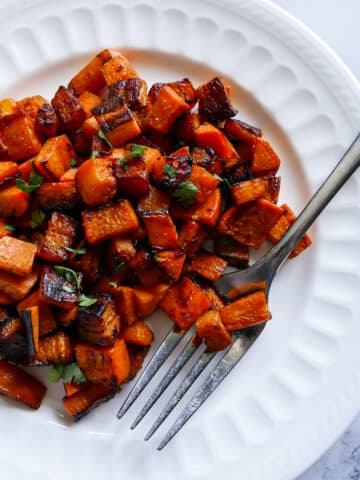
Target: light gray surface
<point x="337" y="23"/>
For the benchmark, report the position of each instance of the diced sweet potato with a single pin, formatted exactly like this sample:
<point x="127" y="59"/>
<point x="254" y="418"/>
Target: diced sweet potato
<point x="155" y="200"/>
<point x="208" y="159"/>
<point x="206" y="213"/>
<point x="12" y="337"/>
<point x="209" y="136"/>
<point x="251" y="223"/>
<point x="242" y="131"/>
<point x="19" y="385"/>
<point x="191" y="237"/>
<point x="138" y="333"/>
<point x="184" y="303"/>
<point x="204" y="181"/>
<point x="16" y="256"/>
<point x="56" y="290"/>
<point x="171" y="262"/>
<point x="216" y="301"/>
<point x="13" y="202"/>
<point x="18" y="287"/>
<point x="68" y="109"/>
<point x="8" y="171"/>
<point x="161" y="230"/>
<point x="47" y="320"/>
<point x="207" y="265"/>
<point x="8" y="106"/>
<point x="54" y="157"/>
<point x="165" y="109"/>
<point x="61" y="196"/>
<point x="99" y="324"/>
<point x="233" y="252"/>
<point x="46" y="121"/>
<point x="29" y="106"/>
<point x="26" y="168"/>
<point x="121" y="249"/>
<point x="61" y="232"/>
<point x="137" y="356"/>
<point x="274" y="189"/>
<point x="211" y="330"/>
<point x="15" y="127"/>
<point x="54" y="349"/>
<point x="67" y="317"/>
<point x="132" y="91"/>
<point x="265" y="159"/>
<point x="249" y="190"/>
<point x="88" y="101"/>
<point x="118" y="68"/>
<point x="126" y="306"/>
<point x="72" y="388"/>
<point x="109" y="365"/>
<point x="86" y="399"/>
<point x="186" y="126"/>
<point x="95" y="181"/>
<point x="132" y="177"/>
<point x="282" y="226"/>
<point x="184" y="88"/>
<point x="147" y="299"/>
<point x="110" y="220"/>
<point x="214" y="101"/>
<point x="245" y="312"/>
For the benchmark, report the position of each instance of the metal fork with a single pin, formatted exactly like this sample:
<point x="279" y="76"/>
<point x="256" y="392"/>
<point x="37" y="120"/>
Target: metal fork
<point x="262" y="273"/>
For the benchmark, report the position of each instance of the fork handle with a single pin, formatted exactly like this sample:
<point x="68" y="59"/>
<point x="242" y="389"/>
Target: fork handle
<point x="337" y="178"/>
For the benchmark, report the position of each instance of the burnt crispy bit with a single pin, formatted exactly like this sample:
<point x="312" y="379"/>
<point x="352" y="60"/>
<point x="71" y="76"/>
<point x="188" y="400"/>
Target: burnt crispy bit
<point x="61" y="196"/>
<point x="170" y="172"/>
<point x="211" y="330"/>
<point x="186" y="126"/>
<point x="90" y="263"/>
<point x="132" y="177"/>
<point x="207" y="158"/>
<point x="61" y="232"/>
<point x="69" y="110"/>
<point x="214" y="101"/>
<point x="99" y="324"/>
<point x="132" y="91"/>
<point x="54" y="349"/>
<point x="88" y="397"/>
<point x="47" y="321"/>
<point x="12" y="336"/>
<point x="56" y="290"/>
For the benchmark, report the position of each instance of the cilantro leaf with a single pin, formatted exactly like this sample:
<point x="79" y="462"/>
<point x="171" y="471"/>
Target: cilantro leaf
<point x="56" y="373"/>
<point x="124" y="165"/>
<point x="185" y="194"/>
<point x="69" y="275"/>
<point x="102" y="135"/>
<point x="95" y="154"/>
<point x="73" y="162"/>
<point x="113" y="284"/>
<point x="170" y="170"/>
<point x="136" y="151"/>
<point x="159" y="259"/>
<point x="85" y="301"/>
<point x="35" y="180"/>
<point x="68" y="289"/>
<point x="37" y="218"/>
<point x="77" y="251"/>
<point x="118" y="268"/>
<point x="72" y="373"/>
<point x="10" y="228"/>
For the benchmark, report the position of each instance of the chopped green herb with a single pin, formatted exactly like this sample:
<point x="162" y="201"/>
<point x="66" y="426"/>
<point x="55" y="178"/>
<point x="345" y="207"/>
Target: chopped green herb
<point x="224" y="180"/>
<point x="69" y="373"/>
<point x="185" y="194"/>
<point x="35" y="180"/>
<point x="136" y="151"/>
<point x="77" y="251"/>
<point x="73" y="162"/>
<point x="68" y="289"/>
<point x="10" y="228"/>
<point x="118" y="269"/>
<point x="85" y="301"/>
<point x="37" y="218"/>
<point x="170" y="170"/>
<point x="113" y="284"/>
<point x="56" y="373"/>
<point x="95" y="154"/>
<point x="102" y="135"/>
<point x="226" y="242"/>
<point x="124" y="165"/>
<point x="69" y="275"/>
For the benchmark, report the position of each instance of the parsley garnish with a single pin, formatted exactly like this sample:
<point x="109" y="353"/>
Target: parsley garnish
<point x="102" y="135"/>
<point x="35" y="180"/>
<point x="85" y="301"/>
<point x="77" y="251"/>
<point x="170" y="170"/>
<point x="68" y="289"/>
<point x="226" y="242"/>
<point x="69" y="373"/>
<point x="118" y="269"/>
<point x="37" y="218"/>
<point x="113" y="284"/>
<point x="124" y="165"/>
<point x="136" y="151"/>
<point x="185" y="194"/>
<point x="69" y="275"/>
<point x="10" y="228"/>
<point x="73" y="162"/>
<point x="223" y="180"/>
<point x="95" y="154"/>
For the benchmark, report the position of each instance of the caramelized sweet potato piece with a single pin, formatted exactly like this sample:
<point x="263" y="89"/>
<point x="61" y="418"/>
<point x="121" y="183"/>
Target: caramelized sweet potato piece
<point x="67" y="317"/>
<point x="245" y="312"/>
<point x="61" y="232"/>
<point x="186" y="126"/>
<point x="56" y="290"/>
<point x="99" y="324"/>
<point x="26" y="168"/>
<point x="137" y="356"/>
<point x="206" y="213"/>
<point x="54" y="349"/>
<point x="95" y="181"/>
<point x="184" y="303"/>
<point x="207" y="265"/>
<point x="211" y="330"/>
<point x="138" y="333"/>
<point x="90" y="264"/>
<point x="46" y="121"/>
<point x="8" y="106"/>
<point x="282" y="226"/>
<point x="61" y="196"/>
<point x="209" y="136"/>
<point x="171" y="262"/>
<point x="19" y="385"/>
<point x="88" y="101"/>
<point x="68" y="109"/>
<point x="90" y="396"/>
<point x="15" y="127"/>
<point x="170" y="172"/>
<point x="72" y="388"/>
<point x="184" y="88"/>
<point x="165" y="109"/>
<point x="155" y="200"/>
<point x="12" y="336"/>
<point x="121" y="249"/>
<point x="207" y="158"/>
<point x="30" y="317"/>
<point x="251" y="223"/>
<point x="132" y="177"/>
<point x="204" y="181"/>
<point x="265" y="159"/>
<point x="109" y="365"/>
<point x="191" y="237"/>
<point x="147" y="299"/>
<point x="233" y="252"/>
<point x="8" y="171"/>
<point x="242" y="131"/>
<point x="47" y="320"/>
<point x="214" y="298"/>
<point x="29" y="106"/>
<point x="54" y="157"/>
<point x="249" y="190"/>
<point x="17" y="287"/>
<point x="214" y="101"/>
<point x="274" y="189"/>
<point x="13" y="202"/>
<point x="132" y="91"/>
<point x="126" y="306"/>
<point x="16" y="256"/>
<point x="110" y="220"/>
<point x="118" y="68"/>
<point x="161" y="230"/>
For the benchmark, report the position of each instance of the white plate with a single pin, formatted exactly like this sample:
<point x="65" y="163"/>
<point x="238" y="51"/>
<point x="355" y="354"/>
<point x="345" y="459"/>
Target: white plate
<point x="298" y="387"/>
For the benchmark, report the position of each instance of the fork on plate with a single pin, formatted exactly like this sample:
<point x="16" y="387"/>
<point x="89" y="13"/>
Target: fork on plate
<point x="258" y="275"/>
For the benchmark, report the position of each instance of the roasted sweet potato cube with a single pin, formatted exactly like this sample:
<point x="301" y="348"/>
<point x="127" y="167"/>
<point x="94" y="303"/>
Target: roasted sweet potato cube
<point x="99" y="324"/>
<point x="171" y="262"/>
<point x="155" y="200"/>
<point x="54" y="157"/>
<point x="209" y="136"/>
<point x="233" y="252"/>
<point x="8" y="106"/>
<point x="18" y="287"/>
<point x="116" y="121"/>
<point x="67" y="317"/>
<point x="47" y="320"/>
<point x="161" y="230"/>
<point x="206" y="213"/>
<point x="121" y="249"/>
<point x="126" y="306"/>
<point x="46" y="121"/>
<point x="184" y="88"/>
<point x="211" y="330"/>
<point x="282" y="226"/>
<point x="88" y="101"/>
<point x="30" y="317"/>
<point x="72" y="388"/>
<point x="55" y="348"/>
<point x="29" y="106"/>
<point x="15" y="127"/>
<point x="8" y="171"/>
<point x="204" y="181"/>
<point x="216" y="301"/>
<point x="90" y="263"/>
<point x="207" y="158"/>
<point x="109" y="365"/>
<point x="91" y="77"/>
<point x="16" y="256"/>
<point x="137" y="356"/>
<point x="274" y="189"/>
<point x="191" y="237"/>
<point x="245" y="312"/>
<point x="12" y="336"/>
<point x="95" y="181"/>
<point x="249" y="190"/>
<point x="214" y="101"/>
<point x="132" y="177"/>
<point x="56" y="290"/>
<point x="147" y="299"/>
<point x="19" y="385"/>
<point x="186" y="126"/>
<point x="90" y="396"/>
<point x="207" y="265"/>
<point x="69" y="110"/>
<point x="265" y="159"/>
<point x="118" y="68"/>
<point x="170" y="172"/>
<point x="61" y="196"/>
<point x="241" y="131"/>
<point x="61" y="232"/>
<point x="132" y="91"/>
<point x="165" y="109"/>
<point x="250" y="223"/>
<point x="139" y="333"/>
<point x="184" y="303"/>
<point x="26" y="168"/>
<point x="111" y="220"/>
<point x="13" y="202"/>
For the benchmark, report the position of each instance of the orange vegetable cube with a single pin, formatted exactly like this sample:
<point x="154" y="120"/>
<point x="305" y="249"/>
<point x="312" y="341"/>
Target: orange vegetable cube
<point x="118" y="68"/>
<point x="242" y="131"/>
<point x="88" y="397"/>
<point x="249" y="190"/>
<point x="47" y="320"/>
<point x="95" y="181"/>
<point x="211" y="330"/>
<point x="55" y="348"/>
<point x="69" y="110"/>
<point x="29" y="106"/>
<point x="147" y="299"/>
<point x="8" y="171"/>
<point x="15" y="127"/>
<point x="16" y="256"/>
<point x="13" y="202"/>
<point x="126" y="306"/>
<point x="191" y="237"/>
<point x="207" y="265"/>
<point x="171" y="262"/>
<point x="204" y="181"/>
<point x="206" y="213"/>
<point x="161" y="230"/>
<point x="138" y="333"/>
<point x="155" y="200"/>
<point x="17" y="287"/>
<point x="88" y="101"/>
<point x="54" y="157"/>
<point x="61" y="232"/>
<point x="265" y="159"/>
<point x="209" y="136"/>
<point x="165" y="109"/>
<point x="58" y="196"/>
<point x="245" y="312"/>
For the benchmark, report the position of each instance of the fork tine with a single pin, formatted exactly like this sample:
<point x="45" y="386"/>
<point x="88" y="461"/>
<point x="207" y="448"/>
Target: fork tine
<point x="181" y="390"/>
<point x="240" y="346"/>
<point x="189" y="349"/>
<point x="167" y="346"/>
